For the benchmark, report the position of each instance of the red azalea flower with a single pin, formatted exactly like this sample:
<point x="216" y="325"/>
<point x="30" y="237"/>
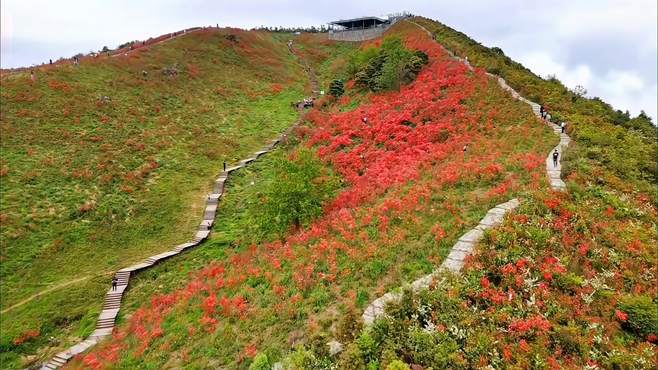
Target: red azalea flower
<point x="621" y="316"/>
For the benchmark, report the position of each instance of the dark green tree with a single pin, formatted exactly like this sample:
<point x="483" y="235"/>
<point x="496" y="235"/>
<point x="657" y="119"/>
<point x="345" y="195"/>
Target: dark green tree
<point x="336" y="88"/>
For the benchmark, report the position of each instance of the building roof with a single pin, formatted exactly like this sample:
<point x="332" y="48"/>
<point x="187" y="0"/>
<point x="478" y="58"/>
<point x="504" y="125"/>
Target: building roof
<point x="355" y="21"/>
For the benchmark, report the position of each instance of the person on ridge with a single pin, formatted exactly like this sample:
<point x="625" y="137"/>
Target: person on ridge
<point x="114" y="283"/>
<point x="556" y="155"/>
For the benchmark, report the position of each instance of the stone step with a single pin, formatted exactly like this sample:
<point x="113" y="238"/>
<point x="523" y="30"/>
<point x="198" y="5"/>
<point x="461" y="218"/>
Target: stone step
<point x="234" y="168"/>
<point x="58" y="361"/>
<point x="214" y="198"/>
<point x="201" y="235"/>
<point x="205" y="225"/>
<point x="182" y="247"/>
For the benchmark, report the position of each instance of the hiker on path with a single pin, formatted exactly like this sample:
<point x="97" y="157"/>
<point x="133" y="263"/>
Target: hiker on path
<point x="32" y="76"/>
<point x="51" y="62"/>
<point x="114" y="283"/>
<point x="365" y="120"/>
<point x="556" y="155"/>
<point x="563" y="126"/>
<point x="541" y="111"/>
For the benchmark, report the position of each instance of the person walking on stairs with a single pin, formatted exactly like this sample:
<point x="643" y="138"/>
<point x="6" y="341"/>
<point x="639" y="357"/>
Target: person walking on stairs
<point x="556" y="155"/>
<point x="563" y="126"/>
<point x="114" y="283"/>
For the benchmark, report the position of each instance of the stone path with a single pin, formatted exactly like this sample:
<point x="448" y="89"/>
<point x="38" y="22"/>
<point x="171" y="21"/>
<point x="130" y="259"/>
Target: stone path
<point x="554" y="172"/>
<point x="453" y="262"/>
<point x="112" y="303"/>
<point x="465" y="245"/>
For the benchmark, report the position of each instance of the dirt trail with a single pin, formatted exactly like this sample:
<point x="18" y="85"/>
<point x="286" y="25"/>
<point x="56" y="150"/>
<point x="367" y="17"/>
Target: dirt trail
<point x="45" y="291"/>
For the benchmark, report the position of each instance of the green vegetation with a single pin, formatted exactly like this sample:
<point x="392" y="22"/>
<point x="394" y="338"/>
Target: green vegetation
<point x="642" y="314"/>
<point x="295" y="195"/>
<point x="109" y="163"/>
<point x="510" y="306"/>
<point x="260" y="293"/>
<point x="342" y="212"/>
<point x="336" y="88"/>
<point x="386" y="67"/>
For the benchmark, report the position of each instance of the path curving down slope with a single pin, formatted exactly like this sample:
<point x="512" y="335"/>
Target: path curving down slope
<point x="466" y="244"/>
<point x="112" y="303"/>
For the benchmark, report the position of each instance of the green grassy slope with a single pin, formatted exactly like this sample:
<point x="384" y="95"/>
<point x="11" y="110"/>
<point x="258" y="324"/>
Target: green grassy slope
<point x="109" y="162"/>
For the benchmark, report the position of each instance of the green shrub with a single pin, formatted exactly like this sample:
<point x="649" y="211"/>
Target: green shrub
<point x="642" y="314"/>
<point x="351" y="358"/>
<point x="569" y="282"/>
<point x="430" y="349"/>
<point x="388" y="67"/>
<point x="570" y="340"/>
<point x="261" y="362"/>
<point x="295" y="197"/>
<point x="350" y="325"/>
<point x="368" y="346"/>
<point x="336" y="88"/>
<point x="397" y="365"/>
<point x="303" y="358"/>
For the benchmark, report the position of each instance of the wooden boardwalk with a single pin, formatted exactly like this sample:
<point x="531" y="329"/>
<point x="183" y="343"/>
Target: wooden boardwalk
<point x="113" y="297"/>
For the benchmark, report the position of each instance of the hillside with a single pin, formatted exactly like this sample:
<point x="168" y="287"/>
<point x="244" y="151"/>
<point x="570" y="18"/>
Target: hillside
<point x="406" y="190"/>
<point x="107" y="162"/>
<point x="373" y="191"/>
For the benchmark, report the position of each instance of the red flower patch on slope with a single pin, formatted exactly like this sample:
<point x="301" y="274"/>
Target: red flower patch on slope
<point x="413" y="136"/>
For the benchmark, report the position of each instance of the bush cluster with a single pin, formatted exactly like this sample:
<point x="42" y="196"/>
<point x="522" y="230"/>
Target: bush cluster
<point x="387" y="67"/>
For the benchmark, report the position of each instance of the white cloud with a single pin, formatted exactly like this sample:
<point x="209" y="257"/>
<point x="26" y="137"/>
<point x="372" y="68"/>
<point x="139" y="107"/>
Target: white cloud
<point x="624" y="89"/>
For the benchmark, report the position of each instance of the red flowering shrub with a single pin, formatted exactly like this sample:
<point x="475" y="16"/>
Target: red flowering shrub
<point x="27" y="336"/>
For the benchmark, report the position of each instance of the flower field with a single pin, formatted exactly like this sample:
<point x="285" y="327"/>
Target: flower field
<point x="369" y="193"/>
<point x="557" y="286"/>
<point x="408" y="190"/>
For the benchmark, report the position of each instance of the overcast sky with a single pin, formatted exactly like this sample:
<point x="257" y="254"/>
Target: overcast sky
<point x="607" y="46"/>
